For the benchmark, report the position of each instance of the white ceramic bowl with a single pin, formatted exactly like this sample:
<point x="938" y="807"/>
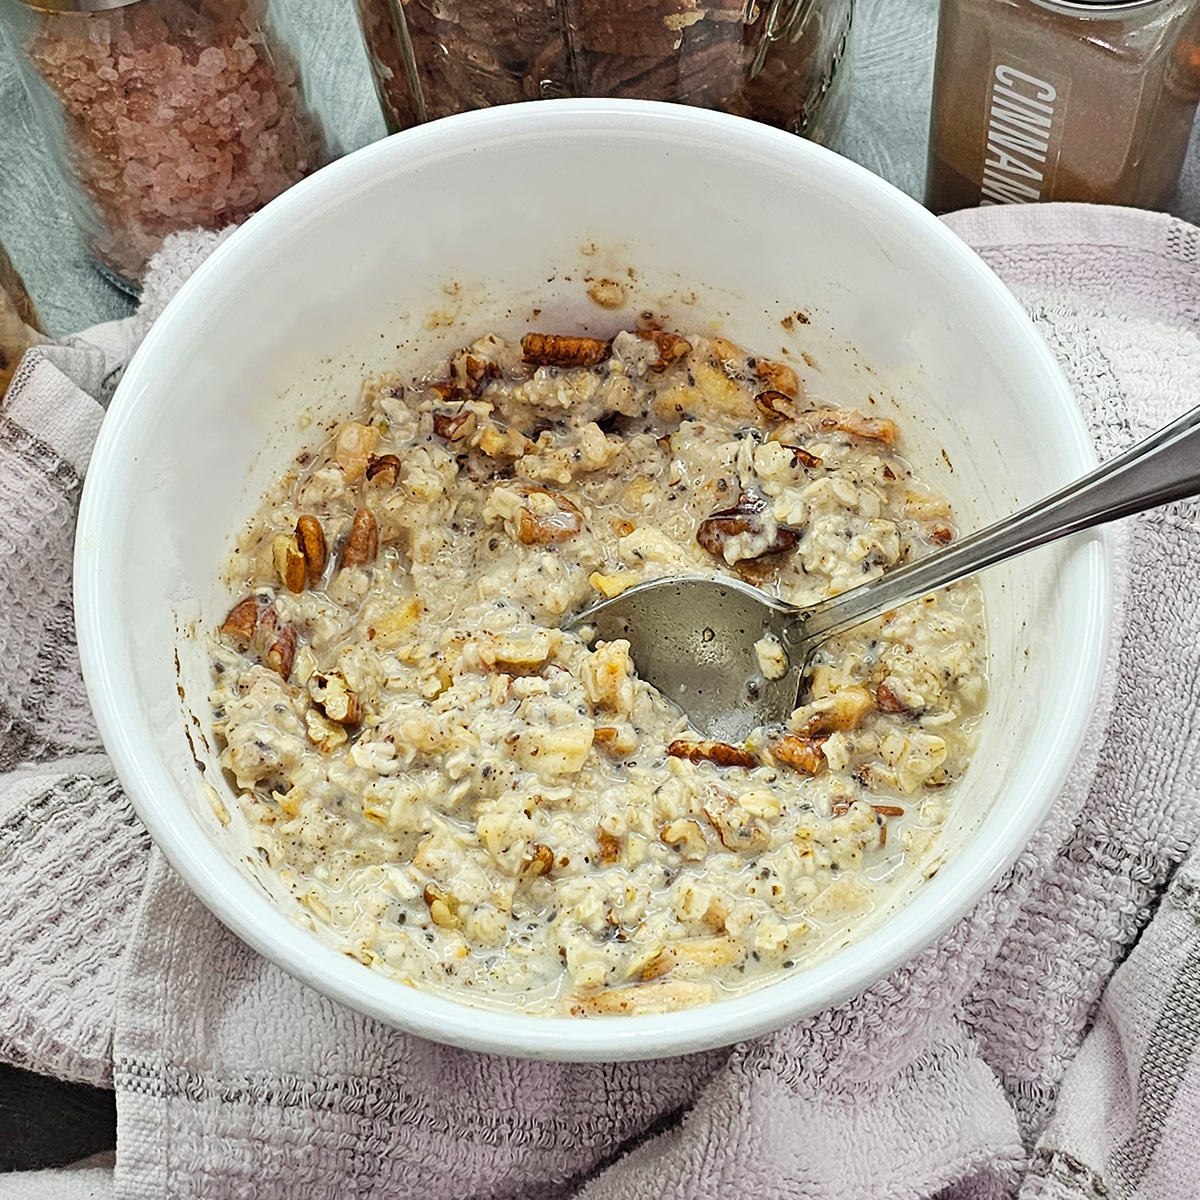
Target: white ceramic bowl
<point x="401" y="251"/>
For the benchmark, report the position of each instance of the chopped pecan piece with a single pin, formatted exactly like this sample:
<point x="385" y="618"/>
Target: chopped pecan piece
<point x="332" y="695"/>
<point x="799" y="753"/>
<point x="721" y="753"/>
<point x="443" y="907"/>
<point x="551" y="350"/>
<point x="363" y="543"/>
<point x="453" y="427"/>
<point x="887" y="701"/>
<point x="289" y="562"/>
<point x="779" y="377"/>
<point x="804" y="458"/>
<point x="616" y="740"/>
<point x="888" y="810"/>
<point x="745" y="517"/>
<point x="281" y="653"/>
<point x="941" y="533"/>
<point x="311" y="539"/>
<point x="671" y="347"/>
<point x="241" y="622"/>
<point x="384" y="470"/>
<point x="478" y="371"/>
<point x="775" y="406"/>
<point x="540" y="524"/>
<point x="541" y="861"/>
<point x="610" y="846"/>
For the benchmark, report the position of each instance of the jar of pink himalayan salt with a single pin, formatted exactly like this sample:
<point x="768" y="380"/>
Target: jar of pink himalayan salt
<point x="163" y="115"/>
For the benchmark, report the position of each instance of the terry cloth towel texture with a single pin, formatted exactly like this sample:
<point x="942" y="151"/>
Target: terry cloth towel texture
<point x="1007" y="1059"/>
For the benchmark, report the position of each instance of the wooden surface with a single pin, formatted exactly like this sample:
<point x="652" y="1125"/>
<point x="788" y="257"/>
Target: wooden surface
<point x="43" y="1122"/>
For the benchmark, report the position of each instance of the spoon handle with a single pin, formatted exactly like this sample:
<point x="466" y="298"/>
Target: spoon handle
<point x="1162" y="468"/>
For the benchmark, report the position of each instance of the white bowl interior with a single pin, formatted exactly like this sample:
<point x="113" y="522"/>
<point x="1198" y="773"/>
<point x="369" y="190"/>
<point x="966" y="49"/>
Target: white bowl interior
<point x="403" y="251"/>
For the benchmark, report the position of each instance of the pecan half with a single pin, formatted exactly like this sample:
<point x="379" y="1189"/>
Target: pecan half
<point x="289" y="562"/>
<point x="799" y="753"/>
<point x="543" y="528"/>
<point x="384" y="470"/>
<point x="363" y="543"/>
<point x="311" y="539"/>
<point x="241" y="622"/>
<point x="746" y="516"/>
<point x="671" y="347"/>
<point x="551" y="350"/>
<point x="721" y="753"/>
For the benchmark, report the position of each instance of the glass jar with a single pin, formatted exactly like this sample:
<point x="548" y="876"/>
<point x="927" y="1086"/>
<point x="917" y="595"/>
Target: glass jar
<point x="162" y="115"/>
<point x="20" y="326"/>
<point x="784" y="62"/>
<point x="1088" y="100"/>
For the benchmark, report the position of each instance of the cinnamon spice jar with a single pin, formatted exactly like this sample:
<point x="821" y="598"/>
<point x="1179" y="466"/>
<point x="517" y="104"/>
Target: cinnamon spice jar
<point x="1089" y="100"/>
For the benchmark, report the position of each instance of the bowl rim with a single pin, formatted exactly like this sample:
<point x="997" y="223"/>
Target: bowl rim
<point x="110" y="481"/>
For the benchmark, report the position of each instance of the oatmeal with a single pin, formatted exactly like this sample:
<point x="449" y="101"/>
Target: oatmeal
<point x="474" y="800"/>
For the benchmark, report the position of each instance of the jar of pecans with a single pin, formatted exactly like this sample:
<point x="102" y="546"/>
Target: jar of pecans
<point x="163" y="114"/>
<point x="784" y="62"/>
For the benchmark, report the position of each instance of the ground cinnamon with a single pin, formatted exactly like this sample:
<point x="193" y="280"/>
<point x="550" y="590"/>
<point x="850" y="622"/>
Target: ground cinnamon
<point x="1089" y="100"/>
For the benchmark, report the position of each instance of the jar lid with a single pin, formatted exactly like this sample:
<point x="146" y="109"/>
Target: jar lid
<point x="77" y="6"/>
<point x="1106" y="7"/>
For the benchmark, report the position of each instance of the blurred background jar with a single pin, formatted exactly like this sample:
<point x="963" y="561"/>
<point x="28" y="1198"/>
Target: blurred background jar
<point x="20" y="326"/>
<point x="784" y="62"/>
<point x="1089" y="100"/>
<point x="163" y="115"/>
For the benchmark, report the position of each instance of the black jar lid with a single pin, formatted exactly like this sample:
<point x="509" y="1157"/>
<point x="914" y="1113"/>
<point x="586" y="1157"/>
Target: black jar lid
<point x="77" y="6"/>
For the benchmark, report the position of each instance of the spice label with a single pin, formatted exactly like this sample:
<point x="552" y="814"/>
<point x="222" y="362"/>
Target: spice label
<point x="1026" y="110"/>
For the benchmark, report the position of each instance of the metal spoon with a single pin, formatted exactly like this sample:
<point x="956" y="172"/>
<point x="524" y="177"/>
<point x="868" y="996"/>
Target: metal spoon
<point x="693" y="637"/>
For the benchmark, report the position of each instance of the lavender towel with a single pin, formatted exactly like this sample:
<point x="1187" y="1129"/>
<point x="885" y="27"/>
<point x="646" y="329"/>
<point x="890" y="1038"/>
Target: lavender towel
<point x="1008" y="1058"/>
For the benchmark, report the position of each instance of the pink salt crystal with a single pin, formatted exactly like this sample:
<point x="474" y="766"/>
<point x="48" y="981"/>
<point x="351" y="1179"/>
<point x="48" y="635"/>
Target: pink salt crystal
<point x="211" y="61"/>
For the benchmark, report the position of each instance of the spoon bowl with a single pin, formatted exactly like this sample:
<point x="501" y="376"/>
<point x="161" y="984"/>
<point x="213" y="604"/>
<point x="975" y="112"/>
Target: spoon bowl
<point x="700" y="640"/>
